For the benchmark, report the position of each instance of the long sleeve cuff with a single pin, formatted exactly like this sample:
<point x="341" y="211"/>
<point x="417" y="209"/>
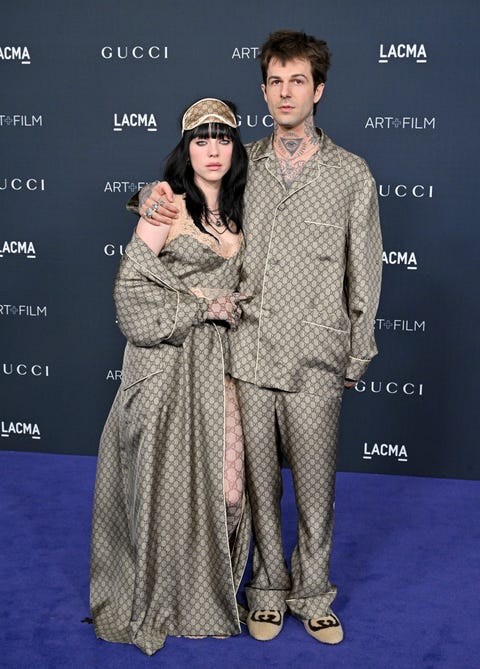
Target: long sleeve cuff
<point x="356" y="368"/>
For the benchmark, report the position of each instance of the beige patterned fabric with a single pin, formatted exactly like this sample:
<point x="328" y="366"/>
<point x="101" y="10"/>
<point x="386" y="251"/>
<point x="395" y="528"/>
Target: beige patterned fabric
<point x="313" y="261"/>
<point x="234" y="457"/>
<point x="208" y="110"/>
<point x="184" y="225"/>
<point x="162" y="561"/>
<point x="307" y="428"/>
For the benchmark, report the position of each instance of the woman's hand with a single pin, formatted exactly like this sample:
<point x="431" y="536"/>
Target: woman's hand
<point x="155" y="203"/>
<point x="226" y="308"/>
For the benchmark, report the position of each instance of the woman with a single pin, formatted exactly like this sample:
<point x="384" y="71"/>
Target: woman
<point x="170" y="529"/>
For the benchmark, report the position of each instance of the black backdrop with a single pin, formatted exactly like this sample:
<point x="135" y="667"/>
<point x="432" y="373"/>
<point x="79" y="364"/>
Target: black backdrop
<point x="91" y="96"/>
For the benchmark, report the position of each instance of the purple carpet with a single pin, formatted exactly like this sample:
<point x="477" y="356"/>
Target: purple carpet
<point x="406" y="561"/>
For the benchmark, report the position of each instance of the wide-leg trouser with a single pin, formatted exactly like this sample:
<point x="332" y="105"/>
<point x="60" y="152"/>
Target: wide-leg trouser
<point x="308" y="430"/>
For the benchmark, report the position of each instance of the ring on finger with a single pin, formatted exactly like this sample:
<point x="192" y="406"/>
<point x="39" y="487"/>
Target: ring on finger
<point x="149" y="212"/>
<point x="159" y="203"/>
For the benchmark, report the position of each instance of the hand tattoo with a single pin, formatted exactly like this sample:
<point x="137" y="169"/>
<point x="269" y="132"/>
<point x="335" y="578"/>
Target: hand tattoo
<point x="145" y="193"/>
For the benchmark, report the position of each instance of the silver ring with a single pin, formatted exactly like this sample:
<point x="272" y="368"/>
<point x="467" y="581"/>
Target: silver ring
<point x="155" y="206"/>
<point x="160" y="203"/>
<point x="149" y="212"/>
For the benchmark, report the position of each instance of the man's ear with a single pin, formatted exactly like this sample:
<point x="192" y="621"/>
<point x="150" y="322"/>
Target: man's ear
<point x="318" y="92"/>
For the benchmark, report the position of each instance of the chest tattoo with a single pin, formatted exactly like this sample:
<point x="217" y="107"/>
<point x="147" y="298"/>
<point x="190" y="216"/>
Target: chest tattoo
<point x="291" y="170"/>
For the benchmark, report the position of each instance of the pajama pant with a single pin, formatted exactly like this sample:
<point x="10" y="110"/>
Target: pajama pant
<point x="307" y="426"/>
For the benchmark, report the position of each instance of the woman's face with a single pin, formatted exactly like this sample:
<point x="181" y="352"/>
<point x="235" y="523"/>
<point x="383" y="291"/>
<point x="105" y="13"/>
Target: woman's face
<point x="210" y="158"/>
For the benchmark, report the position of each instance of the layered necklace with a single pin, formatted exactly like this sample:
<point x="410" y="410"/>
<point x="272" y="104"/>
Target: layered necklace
<point x="215" y="220"/>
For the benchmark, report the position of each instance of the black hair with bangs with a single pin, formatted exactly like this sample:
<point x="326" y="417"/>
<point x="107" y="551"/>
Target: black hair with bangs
<point x="179" y="174"/>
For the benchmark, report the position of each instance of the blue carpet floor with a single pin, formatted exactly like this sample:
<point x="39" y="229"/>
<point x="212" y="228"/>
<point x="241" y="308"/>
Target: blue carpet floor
<point x="406" y="561"/>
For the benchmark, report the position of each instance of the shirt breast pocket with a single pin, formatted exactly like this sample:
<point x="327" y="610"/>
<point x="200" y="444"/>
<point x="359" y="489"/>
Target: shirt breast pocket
<point x="324" y="241"/>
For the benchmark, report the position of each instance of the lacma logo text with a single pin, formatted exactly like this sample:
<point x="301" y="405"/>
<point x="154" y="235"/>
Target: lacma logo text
<point x="145" y="121"/>
<point x="415" y="52"/>
<point x="397" y="451"/>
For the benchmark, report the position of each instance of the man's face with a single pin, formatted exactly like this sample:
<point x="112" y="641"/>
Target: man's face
<point x="289" y="92"/>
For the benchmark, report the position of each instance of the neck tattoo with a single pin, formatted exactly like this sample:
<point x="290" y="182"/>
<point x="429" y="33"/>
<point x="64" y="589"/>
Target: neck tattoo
<point x="294" y="148"/>
<point x="292" y="145"/>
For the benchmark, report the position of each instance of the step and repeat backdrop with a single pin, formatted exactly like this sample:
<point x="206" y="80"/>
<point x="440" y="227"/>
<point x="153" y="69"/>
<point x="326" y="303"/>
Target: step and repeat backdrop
<point x="91" y="98"/>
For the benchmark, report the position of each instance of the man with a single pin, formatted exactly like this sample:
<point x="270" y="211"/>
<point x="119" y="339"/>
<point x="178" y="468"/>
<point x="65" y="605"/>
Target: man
<point x="313" y="261"/>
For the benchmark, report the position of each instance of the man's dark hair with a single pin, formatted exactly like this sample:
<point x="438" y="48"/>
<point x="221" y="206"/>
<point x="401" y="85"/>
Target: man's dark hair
<point x="285" y="45"/>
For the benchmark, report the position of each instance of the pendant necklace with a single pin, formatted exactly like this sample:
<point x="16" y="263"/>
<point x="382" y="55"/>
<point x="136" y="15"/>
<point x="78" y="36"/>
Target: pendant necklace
<point x="215" y="220"/>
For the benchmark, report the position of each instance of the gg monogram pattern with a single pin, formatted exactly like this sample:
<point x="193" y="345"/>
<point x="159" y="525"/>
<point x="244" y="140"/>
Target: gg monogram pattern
<point x="162" y="561"/>
<point x="308" y="427"/>
<point x="313" y="262"/>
